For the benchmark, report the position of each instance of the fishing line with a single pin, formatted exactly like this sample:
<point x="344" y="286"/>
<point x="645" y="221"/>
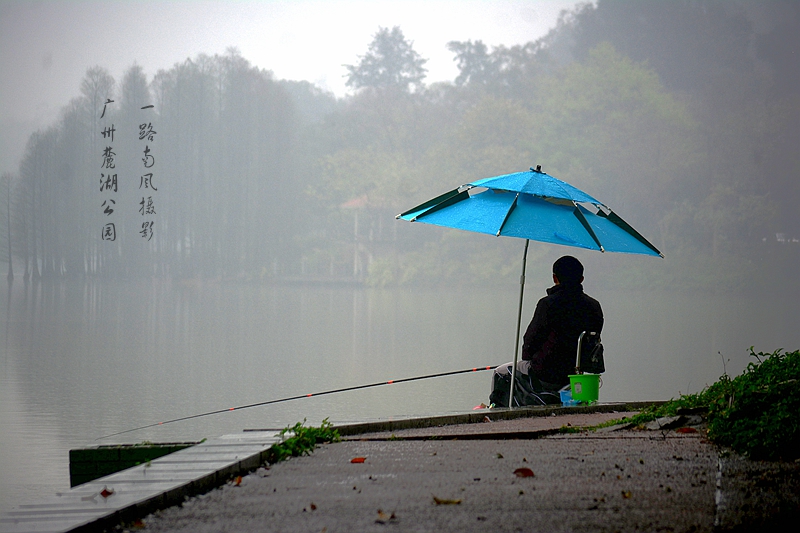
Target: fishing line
<point x="309" y="395"/>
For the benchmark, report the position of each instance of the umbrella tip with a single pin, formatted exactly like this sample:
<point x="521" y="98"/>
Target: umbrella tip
<point x="537" y="169"/>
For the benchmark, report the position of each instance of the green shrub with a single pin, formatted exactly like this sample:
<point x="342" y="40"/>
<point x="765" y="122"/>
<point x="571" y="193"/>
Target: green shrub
<point x="303" y="440"/>
<point x="757" y="414"/>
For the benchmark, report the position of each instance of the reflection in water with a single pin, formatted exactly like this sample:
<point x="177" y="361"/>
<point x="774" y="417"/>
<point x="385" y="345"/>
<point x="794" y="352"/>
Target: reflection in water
<point x="83" y="360"/>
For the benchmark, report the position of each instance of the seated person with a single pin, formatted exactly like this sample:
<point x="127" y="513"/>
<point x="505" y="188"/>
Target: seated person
<point x="551" y="340"/>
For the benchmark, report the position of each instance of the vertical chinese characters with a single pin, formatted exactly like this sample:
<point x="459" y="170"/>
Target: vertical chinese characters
<point x="147" y="205"/>
<point x="108" y="178"/>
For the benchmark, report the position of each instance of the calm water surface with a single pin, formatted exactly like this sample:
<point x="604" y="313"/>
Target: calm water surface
<point x="79" y="361"/>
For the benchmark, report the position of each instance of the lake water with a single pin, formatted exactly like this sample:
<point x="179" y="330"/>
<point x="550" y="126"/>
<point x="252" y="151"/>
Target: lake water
<point x="82" y="360"/>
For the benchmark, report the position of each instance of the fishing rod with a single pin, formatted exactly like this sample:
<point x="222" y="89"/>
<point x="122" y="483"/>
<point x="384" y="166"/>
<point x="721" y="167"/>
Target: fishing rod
<point x="309" y="395"/>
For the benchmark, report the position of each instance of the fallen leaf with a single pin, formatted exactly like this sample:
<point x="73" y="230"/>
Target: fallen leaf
<point x="444" y="501"/>
<point x="383" y="517"/>
<point x="313" y="506"/>
<point x="523" y="472"/>
<point x="237" y="481"/>
<point x="106" y="492"/>
<point x="499" y="455"/>
<point x="358" y="459"/>
<point x="626" y="494"/>
<point x="686" y="430"/>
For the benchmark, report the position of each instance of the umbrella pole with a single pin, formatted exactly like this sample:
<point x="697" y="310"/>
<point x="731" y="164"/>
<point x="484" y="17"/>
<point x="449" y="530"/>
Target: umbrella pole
<point x="519" y="323"/>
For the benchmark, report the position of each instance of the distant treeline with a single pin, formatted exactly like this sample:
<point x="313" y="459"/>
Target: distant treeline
<point x="682" y="116"/>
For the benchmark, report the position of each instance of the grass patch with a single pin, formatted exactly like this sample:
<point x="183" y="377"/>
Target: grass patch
<point x="303" y="440"/>
<point x="756" y="414"/>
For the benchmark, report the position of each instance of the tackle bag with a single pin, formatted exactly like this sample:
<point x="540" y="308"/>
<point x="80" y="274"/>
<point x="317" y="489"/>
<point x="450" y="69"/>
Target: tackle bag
<point x="527" y="389"/>
<point x="592" y="356"/>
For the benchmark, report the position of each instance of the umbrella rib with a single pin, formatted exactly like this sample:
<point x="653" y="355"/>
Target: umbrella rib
<point x="587" y="227"/>
<point x="617" y="220"/>
<point x="430" y="204"/>
<point x="447" y="202"/>
<point x="508" y="214"/>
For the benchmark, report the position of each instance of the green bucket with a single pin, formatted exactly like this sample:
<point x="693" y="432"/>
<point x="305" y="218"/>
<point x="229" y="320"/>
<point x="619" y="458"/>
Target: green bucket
<point x="585" y="387"/>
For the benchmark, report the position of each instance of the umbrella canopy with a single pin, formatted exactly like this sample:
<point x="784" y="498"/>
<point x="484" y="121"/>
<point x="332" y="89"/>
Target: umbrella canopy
<point x="534" y="206"/>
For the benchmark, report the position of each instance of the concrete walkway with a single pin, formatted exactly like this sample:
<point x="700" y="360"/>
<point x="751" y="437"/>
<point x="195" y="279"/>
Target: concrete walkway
<point x="492" y="476"/>
<point x="132" y="493"/>
<point x="498" y="470"/>
<point x="477" y="477"/>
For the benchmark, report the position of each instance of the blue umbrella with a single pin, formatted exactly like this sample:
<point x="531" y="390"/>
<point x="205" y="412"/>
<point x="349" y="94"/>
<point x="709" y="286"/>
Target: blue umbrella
<point x="534" y="206"/>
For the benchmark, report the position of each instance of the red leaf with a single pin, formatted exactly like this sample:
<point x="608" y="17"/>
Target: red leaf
<point x="686" y="430"/>
<point x="106" y="492"/>
<point x="523" y="472"/>
<point x="358" y="459"/>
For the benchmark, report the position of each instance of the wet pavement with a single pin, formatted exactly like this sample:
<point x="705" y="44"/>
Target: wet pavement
<point x="535" y="469"/>
<point x="507" y="475"/>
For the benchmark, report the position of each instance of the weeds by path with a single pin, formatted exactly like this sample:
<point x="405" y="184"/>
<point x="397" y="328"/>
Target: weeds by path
<point x="303" y="440"/>
<point x="756" y="414"/>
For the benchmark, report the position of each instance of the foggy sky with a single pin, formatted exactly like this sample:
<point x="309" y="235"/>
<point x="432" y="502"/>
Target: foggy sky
<point x="47" y="46"/>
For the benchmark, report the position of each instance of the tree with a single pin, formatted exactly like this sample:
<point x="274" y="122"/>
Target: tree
<point x="5" y="220"/>
<point x="690" y="44"/>
<point x="612" y="122"/>
<point x="134" y="91"/>
<point x="390" y="62"/>
<point x="474" y="62"/>
<point x="97" y="87"/>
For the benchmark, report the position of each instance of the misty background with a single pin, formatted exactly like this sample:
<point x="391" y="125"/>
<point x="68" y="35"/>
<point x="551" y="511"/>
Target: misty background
<point x="286" y="136"/>
<point x="681" y="116"/>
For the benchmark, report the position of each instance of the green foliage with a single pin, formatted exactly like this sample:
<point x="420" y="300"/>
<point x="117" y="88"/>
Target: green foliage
<point x="608" y="125"/>
<point x="653" y="108"/>
<point x="496" y="133"/>
<point x="390" y="63"/>
<point x="463" y="257"/>
<point x="474" y="62"/>
<point x="506" y="71"/>
<point x="756" y="414"/>
<point x="303" y="440"/>
<point x="5" y="219"/>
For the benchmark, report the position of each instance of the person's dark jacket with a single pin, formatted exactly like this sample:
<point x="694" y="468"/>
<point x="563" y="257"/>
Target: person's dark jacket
<point x="551" y="340"/>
